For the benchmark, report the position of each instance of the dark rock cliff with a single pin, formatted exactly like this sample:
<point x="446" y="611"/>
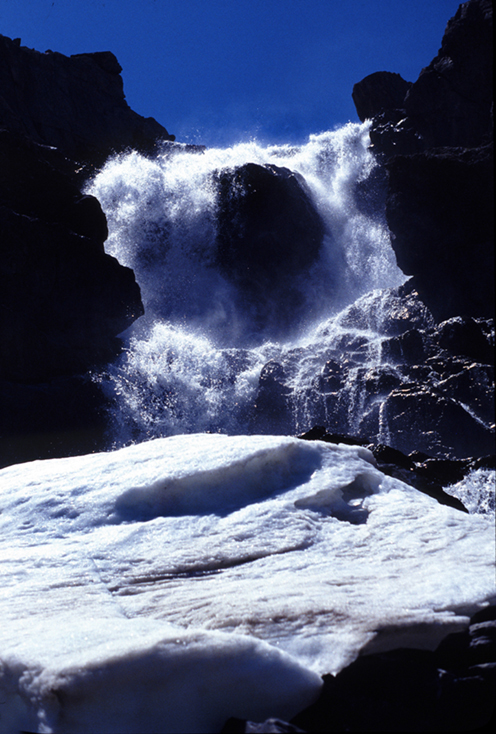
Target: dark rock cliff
<point x="74" y="103"/>
<point x="63" y="301"/>
<point x="434" y="137"/>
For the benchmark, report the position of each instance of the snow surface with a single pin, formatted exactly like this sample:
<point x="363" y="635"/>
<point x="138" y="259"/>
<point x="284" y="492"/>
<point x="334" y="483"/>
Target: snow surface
<point x="169" y="585"/>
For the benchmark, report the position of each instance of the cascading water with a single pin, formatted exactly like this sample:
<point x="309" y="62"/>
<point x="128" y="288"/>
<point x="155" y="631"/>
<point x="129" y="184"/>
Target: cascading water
<point x="195" y="361"/>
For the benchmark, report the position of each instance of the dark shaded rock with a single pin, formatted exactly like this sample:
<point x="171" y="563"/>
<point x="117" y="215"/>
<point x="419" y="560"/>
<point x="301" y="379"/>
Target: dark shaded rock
<point x="271" y="412"/>
<point x="270" y="726"/>
<point x="399" y="673"/>
<point x="473" y="386"/>
<point x="41" y="183"/>
<point x="484" y="462"/>
<point x="382" y="90"/>
<point x="443" y="471"/>
<point x="413" y="690"/>
<point x="75" y="103"/>
<point x="63" y="301"/>
<point x="330" y="378"/>
<point x="465" y="336"/>
<point x="436" y="144"/>
<point x="378" y="381"/>
<point x="319" y="433"/>
<point x="64" y="417"/>
<point x="417" y="411"/>
<point x="412" y="476"/>
<point x="387" y="455"/>
<point x="450" y="103"/>
<point x="266" y="215"/>
<point x="394" y="134"/>
<point x="407" y="348"/>
<point x="439" y="210"/>
<point x="87" y="218"/>
<point x="395" y="463"/>
<point x="482" y="648"/>
<point x="269" y="235"/>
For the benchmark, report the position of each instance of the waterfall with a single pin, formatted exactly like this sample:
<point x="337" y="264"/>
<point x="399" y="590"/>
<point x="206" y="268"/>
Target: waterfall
<point x="196" y="360"/>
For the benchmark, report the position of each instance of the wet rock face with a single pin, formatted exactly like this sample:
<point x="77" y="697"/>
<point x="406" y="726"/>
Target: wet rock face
<point x="74" y="103"/>
<point x="269" y="234"/>
<point x="415" y="385"/>
<point x="436" y="144"/>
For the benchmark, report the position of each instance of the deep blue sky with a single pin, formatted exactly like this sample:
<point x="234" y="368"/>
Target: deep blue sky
<point x="214" y="71"/>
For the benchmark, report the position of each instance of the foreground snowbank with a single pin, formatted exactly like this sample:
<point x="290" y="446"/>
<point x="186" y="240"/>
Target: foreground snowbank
<point x="170" y="585"/>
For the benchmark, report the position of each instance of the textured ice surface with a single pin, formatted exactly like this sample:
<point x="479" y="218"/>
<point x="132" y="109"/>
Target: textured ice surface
<point x="167" y="586"/>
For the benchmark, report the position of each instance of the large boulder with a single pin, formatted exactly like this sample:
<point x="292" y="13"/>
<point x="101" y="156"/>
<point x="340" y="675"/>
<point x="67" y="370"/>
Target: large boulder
<point x="75" y="103"/>
<point x="382" y="90"/>
<point x="269" y="235"/>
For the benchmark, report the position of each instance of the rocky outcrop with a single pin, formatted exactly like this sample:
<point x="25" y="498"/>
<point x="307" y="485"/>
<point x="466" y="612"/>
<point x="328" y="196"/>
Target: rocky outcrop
<point x="432" y="390"/>
<point x="439" y="210"/>
<point x="436" y="144"/>
<point x="382" y="90"/>
<point x="449" y="689"/>
<point x="450" y="104"/>
<point x="75" y="103"/>
<point x="63" y="301"/>
<point x="269" y="235"/>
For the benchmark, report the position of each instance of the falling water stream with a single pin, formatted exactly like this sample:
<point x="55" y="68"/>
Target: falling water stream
<point x="193" y="362"/>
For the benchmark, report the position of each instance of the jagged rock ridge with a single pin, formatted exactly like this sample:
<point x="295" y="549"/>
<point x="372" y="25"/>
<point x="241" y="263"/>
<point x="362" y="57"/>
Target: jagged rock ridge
<point x="74" y="103"/>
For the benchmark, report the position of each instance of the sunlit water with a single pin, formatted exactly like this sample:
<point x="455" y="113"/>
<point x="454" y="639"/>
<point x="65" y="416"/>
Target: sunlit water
<point x="193" y="362"/>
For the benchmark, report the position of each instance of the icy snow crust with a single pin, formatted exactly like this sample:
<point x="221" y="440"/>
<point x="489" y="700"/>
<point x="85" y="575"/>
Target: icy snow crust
<point x="169" y="585"/>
